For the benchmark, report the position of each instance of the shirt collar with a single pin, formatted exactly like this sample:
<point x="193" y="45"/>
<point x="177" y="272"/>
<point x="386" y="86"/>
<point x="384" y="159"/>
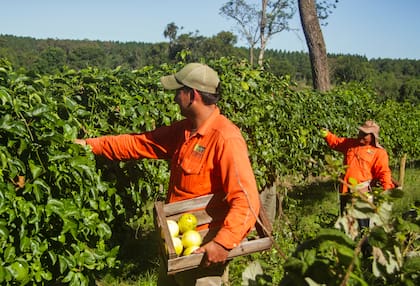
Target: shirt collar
<point x="209" y="122"/>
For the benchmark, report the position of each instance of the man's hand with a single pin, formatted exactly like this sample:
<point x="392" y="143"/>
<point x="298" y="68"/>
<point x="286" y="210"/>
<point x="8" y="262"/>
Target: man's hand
<point x="323" y="132"/>
<point x="80" y="142"/>
<point x="214" y="253"/>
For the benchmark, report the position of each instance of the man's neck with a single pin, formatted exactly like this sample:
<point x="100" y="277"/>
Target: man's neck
<point x="202" y="115"/>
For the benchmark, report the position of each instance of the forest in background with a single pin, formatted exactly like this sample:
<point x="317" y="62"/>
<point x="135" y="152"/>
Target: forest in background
<point x="396" y="79"/>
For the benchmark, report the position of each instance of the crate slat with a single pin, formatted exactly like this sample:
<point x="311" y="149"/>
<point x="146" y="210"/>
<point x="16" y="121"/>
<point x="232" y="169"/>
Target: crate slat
<point x="201" y="208"/>
<point x="186" y="205"/>
<point x="183" y="263"/>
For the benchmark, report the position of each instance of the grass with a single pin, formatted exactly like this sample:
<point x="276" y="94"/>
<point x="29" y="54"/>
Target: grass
<point x="305" y="209"/>
<point x="411" y="190"/>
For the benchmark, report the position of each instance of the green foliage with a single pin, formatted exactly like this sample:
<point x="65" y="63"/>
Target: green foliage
<point x="333" y="258"/>
<point x="324" y="259"/>
<point x="410" y="91"/>
<point x="400" y="124"/>
<point x="395" y="79"/>
<point x="56" y="212"/>
<point x="63" y="209"/>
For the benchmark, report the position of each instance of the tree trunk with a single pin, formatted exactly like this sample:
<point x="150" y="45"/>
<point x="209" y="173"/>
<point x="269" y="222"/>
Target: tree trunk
<point x="251" y="55"/>
<point x="402" y="171"/>
<point x="316" y="45"/>
<point x="263" y="40"/>
<point x="261" y="56"/>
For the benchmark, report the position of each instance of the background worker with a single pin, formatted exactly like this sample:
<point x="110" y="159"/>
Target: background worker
<point x="207" y="155"/>
<point x="365" y="160"/>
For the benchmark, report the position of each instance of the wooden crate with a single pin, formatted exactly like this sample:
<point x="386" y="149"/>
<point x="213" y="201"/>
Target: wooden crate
<point x="258" y="240"/>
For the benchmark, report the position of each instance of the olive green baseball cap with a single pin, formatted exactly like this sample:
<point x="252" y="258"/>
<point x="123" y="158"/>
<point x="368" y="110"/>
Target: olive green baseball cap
<point x="194" y="75"/>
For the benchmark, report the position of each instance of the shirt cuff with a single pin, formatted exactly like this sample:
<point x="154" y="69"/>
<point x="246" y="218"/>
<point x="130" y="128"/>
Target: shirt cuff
<point x="95" y="144"/>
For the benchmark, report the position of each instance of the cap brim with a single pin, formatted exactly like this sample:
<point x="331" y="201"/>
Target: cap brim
<point x="364" y="130"/>
<point x="368" y="131"/>
<point x="169" y="82"/>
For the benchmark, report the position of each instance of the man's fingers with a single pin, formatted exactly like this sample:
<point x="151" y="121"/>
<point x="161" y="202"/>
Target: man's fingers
<point x="199" y="250"/>
<point x="80" y="142"/>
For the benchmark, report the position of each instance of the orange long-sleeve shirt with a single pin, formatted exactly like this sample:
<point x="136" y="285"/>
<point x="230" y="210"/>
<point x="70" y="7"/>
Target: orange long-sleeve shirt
<point x="213" y="160"/>
<point x="363" y="163"/>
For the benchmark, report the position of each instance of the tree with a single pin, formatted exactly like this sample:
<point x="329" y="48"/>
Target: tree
<point x="349" y="68"/>
<point x="316" y="44"/>
<point x="259" y="25"/>
<point x="218" y="46"/>
<point x="410" y="91"/>
<point x="273" y="21"/>
<point x="245" y="15"/>
<point x="52" y="59"/>
<point x="186" y="42"/>
<point x="86" y="54"/>
<point x="171" y="32"/>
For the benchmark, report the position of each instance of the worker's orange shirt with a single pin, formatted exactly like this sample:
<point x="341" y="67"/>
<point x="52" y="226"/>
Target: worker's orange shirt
<point x="363" y="163"/>
<point x="213" y="160"/>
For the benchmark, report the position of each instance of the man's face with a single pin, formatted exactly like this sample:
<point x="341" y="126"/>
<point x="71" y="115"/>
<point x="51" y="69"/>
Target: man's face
<point x="183" y="99"/>
<point x="365" y="138"/>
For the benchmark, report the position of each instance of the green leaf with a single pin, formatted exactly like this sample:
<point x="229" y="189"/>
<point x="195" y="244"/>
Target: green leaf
<point x="70" y="103"/>
<point x="396" y="193"/>
<point x="411" y="264"/>
<point x="53" y="256"/>
<point x="25" y="244"/>
<point x="4" y="232"/>
<point x="5" y="96"/>
<point x="378" y="237"/>
<point x="54" y="206"/>
<point x="312" y="282"/>
<point x="2" y="274"/>
<point x="244" y="85"/>
<point x="335" y="235"/>
<point x="9" y="254"/>
<point x="294" y="265"/>
<point x="40" y="188"/>
<point x="23" y="146"/>
<point x="360" y="280"/>
<point x="47" y="275"/>
<point x="11" y="125"/>
<point x="69" y="277"/>
<point x="104" y="231"/>
<point x="70" y="226"/>
<point x="38" y="110"/>
<point x="70" y="132"/>
<point x="36" y="170"/>
<point x="345" y="254"/>
<point x="66" y="262"/>
<point x="249" y="275"/>
<point x="352" y="181"/>
<point x="19" y="270"/>
<point x="362" y="210"/>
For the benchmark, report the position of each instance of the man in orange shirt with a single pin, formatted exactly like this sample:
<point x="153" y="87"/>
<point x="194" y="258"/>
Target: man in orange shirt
<point x="365" y="160"/>
<point x="207" y="154"/>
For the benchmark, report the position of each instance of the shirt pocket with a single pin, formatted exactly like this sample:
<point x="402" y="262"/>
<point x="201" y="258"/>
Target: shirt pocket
<point x="196" y="171"/>
<point x="193" y="162"/>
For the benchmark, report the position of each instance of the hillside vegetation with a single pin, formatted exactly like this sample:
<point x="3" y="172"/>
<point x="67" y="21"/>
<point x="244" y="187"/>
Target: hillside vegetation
<point x="397" y="79"/>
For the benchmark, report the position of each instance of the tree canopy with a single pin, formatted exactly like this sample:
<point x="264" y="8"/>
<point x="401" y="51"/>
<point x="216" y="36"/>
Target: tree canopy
<point x="391" y="78"/>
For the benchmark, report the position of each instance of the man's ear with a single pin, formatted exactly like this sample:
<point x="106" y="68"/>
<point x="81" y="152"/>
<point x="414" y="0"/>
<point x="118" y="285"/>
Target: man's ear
<point x="195" y="95"/>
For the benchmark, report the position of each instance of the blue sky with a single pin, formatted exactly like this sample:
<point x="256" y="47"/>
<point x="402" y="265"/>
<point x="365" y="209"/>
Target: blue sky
<point x="371" y="28"/>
